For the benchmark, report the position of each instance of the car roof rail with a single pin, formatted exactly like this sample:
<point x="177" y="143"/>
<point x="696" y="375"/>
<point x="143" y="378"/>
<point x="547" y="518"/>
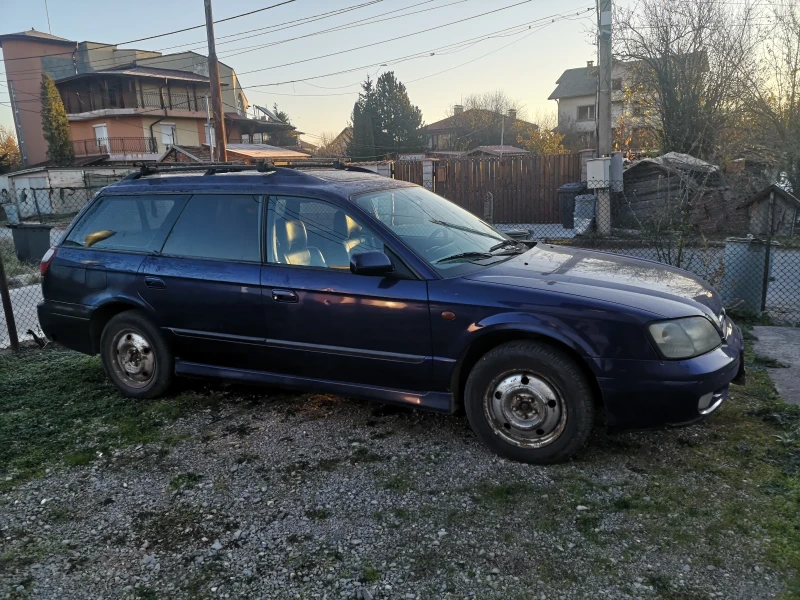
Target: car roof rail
<point x="260" y="167"/>
<point x="209" y="168"/>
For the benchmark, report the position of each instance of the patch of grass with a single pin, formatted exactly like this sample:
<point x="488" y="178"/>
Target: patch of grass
<point x="369" y="575"/>
<point x="184" y="481"/>
<point x="79" y="459"/>
<point x="58" y="406"/>
<point x="317" y="514"/>
<point x="398" y="483"/>
<point x="503" y="493"/>
<point x="328" y="464"/>
<point x="768" y="361"/>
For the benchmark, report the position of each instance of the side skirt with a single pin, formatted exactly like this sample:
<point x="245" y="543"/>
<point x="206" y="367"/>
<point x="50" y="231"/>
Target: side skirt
<point x="441" y="402"/>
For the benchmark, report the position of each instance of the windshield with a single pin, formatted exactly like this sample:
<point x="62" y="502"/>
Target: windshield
<point x="449" y="238"/>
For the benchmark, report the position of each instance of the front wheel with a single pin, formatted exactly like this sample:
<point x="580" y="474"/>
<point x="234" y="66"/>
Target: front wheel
<point x="135" y="356"/>
<point x="529" y="402"/>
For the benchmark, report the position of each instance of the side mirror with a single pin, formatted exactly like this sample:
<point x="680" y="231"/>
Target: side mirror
<point x="373" y="262"/>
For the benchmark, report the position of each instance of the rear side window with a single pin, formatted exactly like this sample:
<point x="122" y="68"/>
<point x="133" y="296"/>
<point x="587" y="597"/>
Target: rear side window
<point x="138" y="223"/>
<point x="218" y="227"/>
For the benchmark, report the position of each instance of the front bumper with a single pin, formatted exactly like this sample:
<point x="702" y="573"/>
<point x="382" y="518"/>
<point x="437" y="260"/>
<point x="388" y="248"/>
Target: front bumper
<point x="647" y="394"/>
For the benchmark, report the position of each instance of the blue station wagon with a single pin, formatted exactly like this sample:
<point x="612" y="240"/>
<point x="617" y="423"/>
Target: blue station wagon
<point x="337" y="280"/>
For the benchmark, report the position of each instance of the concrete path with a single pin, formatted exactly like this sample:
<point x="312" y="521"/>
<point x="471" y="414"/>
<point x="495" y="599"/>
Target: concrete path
<point x="783" y="344"/>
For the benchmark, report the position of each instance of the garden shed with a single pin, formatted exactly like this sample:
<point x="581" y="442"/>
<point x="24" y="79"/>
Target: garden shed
<point x="772" y="205"/>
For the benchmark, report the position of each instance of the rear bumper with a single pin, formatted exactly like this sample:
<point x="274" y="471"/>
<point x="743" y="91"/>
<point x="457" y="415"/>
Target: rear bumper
<point x="647" y="394"/>
<point x="67" y="324"/>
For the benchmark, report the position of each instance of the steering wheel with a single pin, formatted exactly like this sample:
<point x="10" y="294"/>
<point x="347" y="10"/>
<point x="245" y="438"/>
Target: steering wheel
<point x="442" y="233"/>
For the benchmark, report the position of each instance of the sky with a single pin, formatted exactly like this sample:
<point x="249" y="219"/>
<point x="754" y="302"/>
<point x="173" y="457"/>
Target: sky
<point x="525" y="65"/>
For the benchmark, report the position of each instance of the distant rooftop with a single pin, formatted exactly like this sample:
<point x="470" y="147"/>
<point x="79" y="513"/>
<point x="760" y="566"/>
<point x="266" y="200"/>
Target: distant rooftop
<point x="576" y="82"/>
<point x="32" y="33"/>
<point x="498" y="150"/>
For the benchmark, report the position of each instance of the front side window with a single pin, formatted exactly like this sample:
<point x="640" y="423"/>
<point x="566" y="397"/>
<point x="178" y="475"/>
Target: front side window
<point x="138" y="223"/>
<point x="218" y="227"/>
<point x="451" y="239"/>
<point x="314" y="233"/>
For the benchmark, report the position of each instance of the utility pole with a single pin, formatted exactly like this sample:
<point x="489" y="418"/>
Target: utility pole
<point x="210" y="130"/>
<point x="216" y="93"/>
<point x="604" y="78"/>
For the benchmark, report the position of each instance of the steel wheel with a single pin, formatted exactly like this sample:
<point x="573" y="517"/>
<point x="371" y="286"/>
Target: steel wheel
<point x="132" y="358"/>
<point x="525" y="409"/>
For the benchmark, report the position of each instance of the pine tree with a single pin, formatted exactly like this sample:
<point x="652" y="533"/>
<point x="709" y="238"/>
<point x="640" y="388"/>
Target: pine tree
<point x="362" y="144"/>
<point x="55" y="125"/>
<point x="400" y="121"/>
<point x="384" y="120"/>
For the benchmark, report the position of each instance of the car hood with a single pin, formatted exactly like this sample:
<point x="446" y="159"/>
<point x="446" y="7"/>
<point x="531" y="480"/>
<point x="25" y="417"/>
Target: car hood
<point x="642" y="284"/>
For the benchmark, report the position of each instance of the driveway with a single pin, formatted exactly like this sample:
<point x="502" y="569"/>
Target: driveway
<point x="782" y="345"/>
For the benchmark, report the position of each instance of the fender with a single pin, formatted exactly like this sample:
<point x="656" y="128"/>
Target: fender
<point x="501" y="327"/>
<point x="549" y="326"/>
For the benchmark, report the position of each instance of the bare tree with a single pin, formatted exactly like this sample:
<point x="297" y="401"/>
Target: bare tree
<point x="485" y="121"/>
<point x="330" y="146"/>
<point x="774" y="102"/>
<point x="687" y="59"/>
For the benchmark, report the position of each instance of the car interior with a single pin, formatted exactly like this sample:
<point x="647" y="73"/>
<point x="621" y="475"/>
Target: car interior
<point x="316" y="234"/>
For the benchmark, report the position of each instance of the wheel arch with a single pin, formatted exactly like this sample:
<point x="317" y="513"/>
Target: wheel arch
<point x="104" y="313"/>
<point x="497" y="337"/>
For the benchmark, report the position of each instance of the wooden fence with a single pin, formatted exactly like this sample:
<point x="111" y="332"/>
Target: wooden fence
<point x="523" y="189"/>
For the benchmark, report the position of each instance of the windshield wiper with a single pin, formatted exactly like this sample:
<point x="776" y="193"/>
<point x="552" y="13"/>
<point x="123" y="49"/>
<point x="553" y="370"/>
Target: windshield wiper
<point x="464" y="228"/>
<point x="504" y="244"/>
<point x="466" y="255"/>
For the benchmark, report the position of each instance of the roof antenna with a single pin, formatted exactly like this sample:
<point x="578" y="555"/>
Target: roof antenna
<point x="47" y="12"/>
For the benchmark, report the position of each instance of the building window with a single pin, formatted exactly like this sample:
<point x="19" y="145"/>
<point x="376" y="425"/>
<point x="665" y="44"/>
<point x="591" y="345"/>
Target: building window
<point x="168" y="134"/>
<point x="616" y="84"/>
<point x="586" y="113"/>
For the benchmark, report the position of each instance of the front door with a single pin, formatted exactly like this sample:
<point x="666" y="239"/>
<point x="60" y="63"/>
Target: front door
<point x="204" y="285"/>
<point x="322" y="321"/>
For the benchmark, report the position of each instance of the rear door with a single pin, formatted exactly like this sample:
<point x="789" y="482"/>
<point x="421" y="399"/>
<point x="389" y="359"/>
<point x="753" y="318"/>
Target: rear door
<point x="205" y="283"/>
<point x="101" y="255"/>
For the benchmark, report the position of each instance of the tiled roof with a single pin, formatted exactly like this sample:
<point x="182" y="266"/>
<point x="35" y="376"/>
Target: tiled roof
<point x="461" y="120"/>
<point x="576" y="82"/>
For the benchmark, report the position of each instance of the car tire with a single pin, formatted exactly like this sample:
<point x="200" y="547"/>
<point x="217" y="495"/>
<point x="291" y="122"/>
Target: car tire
<point x="529" y="402"/>
<point x="135" y="356"/>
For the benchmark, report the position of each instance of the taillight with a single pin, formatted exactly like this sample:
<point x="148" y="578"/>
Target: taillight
<point x="46" y="260"/>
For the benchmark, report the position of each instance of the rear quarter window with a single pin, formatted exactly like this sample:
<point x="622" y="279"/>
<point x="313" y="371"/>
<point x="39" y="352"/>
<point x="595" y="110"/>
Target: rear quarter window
<point x="137" y="223"/>
<point x="218" y="227"/>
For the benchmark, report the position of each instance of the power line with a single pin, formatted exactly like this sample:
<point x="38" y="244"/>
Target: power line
<point x="424" y="53"/>
<point x="160" y="35"/>
<point x="277" y="27"/>
<point x="247" y="49"/>
<point x="390" y="39"/>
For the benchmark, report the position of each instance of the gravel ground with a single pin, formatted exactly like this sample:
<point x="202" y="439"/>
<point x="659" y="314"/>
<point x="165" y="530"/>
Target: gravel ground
<point x="253" y="493"/>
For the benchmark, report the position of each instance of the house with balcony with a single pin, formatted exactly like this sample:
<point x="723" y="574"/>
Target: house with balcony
<point x="122" y="105"/>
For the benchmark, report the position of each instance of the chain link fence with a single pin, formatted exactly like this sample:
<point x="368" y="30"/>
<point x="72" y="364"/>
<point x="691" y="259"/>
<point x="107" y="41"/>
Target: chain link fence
<point x="31" y="221"/>
<point x="747" y="246"/>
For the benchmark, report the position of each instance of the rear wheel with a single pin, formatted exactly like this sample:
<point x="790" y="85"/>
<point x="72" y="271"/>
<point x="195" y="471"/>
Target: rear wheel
<point x="529" y="402"/>
<point x="135" y="356"/>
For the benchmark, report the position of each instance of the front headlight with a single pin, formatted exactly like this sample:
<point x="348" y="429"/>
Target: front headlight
<point x="684" y="338"/>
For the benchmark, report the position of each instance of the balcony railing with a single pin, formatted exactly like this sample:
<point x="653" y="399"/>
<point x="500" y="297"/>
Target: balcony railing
<point x="75" y="102"/>
<point x="115" y="145"/>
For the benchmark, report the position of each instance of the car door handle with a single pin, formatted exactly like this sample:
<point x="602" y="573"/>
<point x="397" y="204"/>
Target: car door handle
<point x="284" y="296"/>
<point x="155" y="282"/>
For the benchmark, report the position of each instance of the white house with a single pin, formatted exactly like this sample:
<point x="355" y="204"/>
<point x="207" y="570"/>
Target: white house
<point x="576" y="95"/>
